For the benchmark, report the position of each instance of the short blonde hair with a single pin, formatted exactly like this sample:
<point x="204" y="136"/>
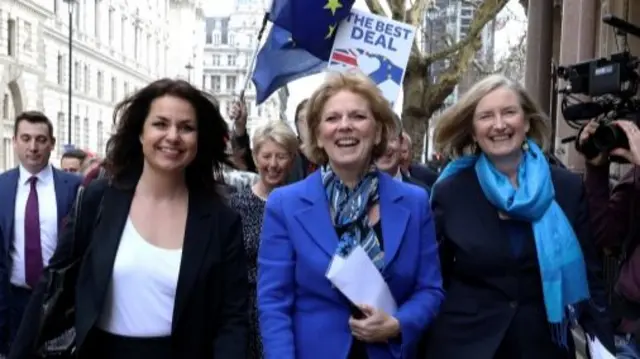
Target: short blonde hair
<point x="357" y="83"/>
<point x="453" y="134"/>
<point x="279" y="133"/>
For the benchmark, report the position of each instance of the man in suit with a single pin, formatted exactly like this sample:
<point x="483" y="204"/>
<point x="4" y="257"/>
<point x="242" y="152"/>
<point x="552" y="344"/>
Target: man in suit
<point x="34" y="199"/>
<point x="412" y="169"/>
<point x="73" y="160"/>
<point x="390" y="162"/>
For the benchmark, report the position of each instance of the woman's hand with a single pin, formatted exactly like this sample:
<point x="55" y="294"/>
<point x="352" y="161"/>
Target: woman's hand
<point x="377" y="326"/>
<point x="587" y="132"/>
<point x="633" y="134"/>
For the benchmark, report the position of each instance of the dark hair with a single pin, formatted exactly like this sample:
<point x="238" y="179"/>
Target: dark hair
<point x="124" y="158"/>
<point x="33" y="117"/>
<point x="77" y="154"/>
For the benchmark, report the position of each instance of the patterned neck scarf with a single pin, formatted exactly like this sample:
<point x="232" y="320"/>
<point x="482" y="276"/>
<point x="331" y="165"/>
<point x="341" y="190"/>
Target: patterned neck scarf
<point x="349" y="212"/>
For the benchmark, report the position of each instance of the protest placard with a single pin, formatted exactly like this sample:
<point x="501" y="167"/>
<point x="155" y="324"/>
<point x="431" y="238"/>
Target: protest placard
<point x="377" y="46"/>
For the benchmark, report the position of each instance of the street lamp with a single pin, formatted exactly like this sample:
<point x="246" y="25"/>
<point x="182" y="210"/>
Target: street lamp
<point x="189" y="67"/>
<point x="432" y="12"/>
<point x="70" y="5"/>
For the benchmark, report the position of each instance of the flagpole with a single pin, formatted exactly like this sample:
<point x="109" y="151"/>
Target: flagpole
<point x="252" y="63"/>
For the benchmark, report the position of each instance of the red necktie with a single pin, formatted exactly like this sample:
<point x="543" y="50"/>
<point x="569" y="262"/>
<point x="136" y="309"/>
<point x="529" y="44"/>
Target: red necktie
<point x="32" y="245"/>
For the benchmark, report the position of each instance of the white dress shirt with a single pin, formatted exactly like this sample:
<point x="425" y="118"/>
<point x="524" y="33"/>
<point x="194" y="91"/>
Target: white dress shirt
<point x="48" y="211"/>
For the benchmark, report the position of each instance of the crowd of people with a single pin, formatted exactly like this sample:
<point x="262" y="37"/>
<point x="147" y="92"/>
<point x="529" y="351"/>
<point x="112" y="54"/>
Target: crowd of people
<point x="190" y="239"/>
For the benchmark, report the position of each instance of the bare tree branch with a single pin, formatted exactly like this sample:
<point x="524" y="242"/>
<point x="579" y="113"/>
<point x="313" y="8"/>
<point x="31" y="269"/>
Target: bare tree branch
<point x="485" y="13"/>
<point x="375" y="7"/>
<point x="462" y="54"/>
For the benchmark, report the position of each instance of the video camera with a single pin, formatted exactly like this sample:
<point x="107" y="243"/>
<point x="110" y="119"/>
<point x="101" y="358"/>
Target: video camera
<point x="612" y="84"/>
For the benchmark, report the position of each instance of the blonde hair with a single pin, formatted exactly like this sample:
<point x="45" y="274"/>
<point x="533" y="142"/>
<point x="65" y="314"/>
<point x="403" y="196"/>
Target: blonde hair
<point x="453" y="134"/>
<point x="359" y="84"/>
<point x="279" y="133"/>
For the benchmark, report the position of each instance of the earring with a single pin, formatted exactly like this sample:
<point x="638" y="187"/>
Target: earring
<point x="525" y="146"/>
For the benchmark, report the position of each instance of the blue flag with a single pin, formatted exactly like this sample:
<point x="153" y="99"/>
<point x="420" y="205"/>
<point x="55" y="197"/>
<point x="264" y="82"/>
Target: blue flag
<point x="279" y="62"/>
<point x="312" y="23"/>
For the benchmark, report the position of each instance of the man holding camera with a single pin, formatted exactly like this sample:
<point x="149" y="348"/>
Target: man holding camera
<point x="614" y="219"/>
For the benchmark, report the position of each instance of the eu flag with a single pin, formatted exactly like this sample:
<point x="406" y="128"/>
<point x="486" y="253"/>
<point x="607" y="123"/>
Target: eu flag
<point x="312" y="23"/>
<point x="280" y="61"/>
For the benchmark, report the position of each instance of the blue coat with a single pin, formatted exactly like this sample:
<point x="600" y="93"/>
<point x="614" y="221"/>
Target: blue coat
<point x="301" y="315"/>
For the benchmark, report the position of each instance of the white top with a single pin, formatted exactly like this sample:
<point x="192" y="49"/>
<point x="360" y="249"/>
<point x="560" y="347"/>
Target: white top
<point x="48" y="211"/>
<point x="142" y="291"/>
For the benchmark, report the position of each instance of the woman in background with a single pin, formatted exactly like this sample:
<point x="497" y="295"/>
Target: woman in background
<point x="274" y="148"/>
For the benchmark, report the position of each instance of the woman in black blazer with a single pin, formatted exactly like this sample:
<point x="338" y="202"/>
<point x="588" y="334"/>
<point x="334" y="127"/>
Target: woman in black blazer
<point x="164" y="272"/>
<point x="518" y="261"/>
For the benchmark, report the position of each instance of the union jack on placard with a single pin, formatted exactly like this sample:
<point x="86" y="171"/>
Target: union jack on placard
<point x="344" y="57"/>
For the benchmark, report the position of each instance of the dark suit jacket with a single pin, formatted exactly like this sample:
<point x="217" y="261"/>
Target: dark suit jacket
<point x="66" y="187"/>
<point x="494" y="297"/>
<point x="210" y="317"/>
<point x="423" y="174"/>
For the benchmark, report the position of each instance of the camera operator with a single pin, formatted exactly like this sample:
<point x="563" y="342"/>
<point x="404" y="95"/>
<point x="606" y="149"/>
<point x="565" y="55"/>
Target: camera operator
<point x="613" y="219"/>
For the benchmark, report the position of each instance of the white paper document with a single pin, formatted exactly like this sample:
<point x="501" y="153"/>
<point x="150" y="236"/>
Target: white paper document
<point x="360" y="281"/>
<point x="597" y="350"/>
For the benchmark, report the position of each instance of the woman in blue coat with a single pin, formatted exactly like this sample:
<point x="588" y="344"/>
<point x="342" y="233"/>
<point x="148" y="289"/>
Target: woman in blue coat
<point x="346" y="203"/>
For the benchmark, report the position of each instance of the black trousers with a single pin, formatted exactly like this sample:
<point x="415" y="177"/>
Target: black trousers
<point x="105" y="345"/>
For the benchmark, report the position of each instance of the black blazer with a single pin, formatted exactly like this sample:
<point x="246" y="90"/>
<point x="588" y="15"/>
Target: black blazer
<point x="494" y="303"/>
<point x="423" y="173"/>
<point x="210" y="317"/>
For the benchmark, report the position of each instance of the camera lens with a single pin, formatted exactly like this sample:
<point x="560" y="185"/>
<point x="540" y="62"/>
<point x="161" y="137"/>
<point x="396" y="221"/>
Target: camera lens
<point x="609" y="136"/>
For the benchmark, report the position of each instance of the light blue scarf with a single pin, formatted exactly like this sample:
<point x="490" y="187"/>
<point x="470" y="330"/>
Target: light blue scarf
<point x="562" y="268"/>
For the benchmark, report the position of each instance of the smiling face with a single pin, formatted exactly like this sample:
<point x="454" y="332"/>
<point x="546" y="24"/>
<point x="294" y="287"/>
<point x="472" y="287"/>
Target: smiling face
<point x="390" y="160"/>
<point x="499" y="124"/>
<point x="273" y="163"/>
<point x="169" y="136"/>
<point x="347" y="131"/>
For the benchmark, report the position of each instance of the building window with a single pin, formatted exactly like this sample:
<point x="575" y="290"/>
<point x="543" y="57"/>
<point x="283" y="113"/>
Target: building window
<point x="87" y="81"/>
<point x="8" y="153"/>
<point x="112" y="24"/>
<point x="96" y="19"/>
<point x="231" y="83"/>
<point x="60" y="69"/>
<point x="76" y="131"/>
<point x="215" y="83"/>
<point x="100" y="136"/>
<point x="28" y="43"/>
<point x="208" y="38"/>
<point x="78" y="16"/>
<point x="215" y="60"/>
<point x="100" y="84"/>
<point x="5" y="106"/>
<point x="231" y="60"/>
<point x="157" y="53"/>
<point x="123" y="32"/>
<point x="85" y="133"/>
<point x="60" y="132"/>
<point x="11" y="37"/>
<point x="216" y="39"/>
<point x="114" y="89"/>
<point x="76" y="75"/>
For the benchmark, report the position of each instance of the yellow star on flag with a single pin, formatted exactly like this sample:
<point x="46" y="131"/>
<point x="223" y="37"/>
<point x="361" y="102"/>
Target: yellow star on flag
<point x="332" y="30"/>
<point x="333" y="6"/>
